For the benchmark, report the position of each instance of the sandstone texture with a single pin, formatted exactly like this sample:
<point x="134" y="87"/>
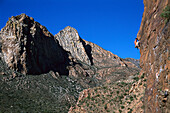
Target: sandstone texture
<point x="154" y="35"/>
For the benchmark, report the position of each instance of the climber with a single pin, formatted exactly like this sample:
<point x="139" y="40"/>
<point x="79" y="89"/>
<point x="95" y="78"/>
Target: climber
<point x="137" y="43"/>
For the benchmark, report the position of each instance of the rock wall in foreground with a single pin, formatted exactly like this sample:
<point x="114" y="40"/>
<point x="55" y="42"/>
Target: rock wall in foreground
<point x="154" y="35"/>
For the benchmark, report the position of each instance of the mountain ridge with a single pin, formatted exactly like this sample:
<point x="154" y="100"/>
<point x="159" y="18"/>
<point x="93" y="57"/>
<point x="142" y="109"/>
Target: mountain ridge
<point x="69" y="64"/>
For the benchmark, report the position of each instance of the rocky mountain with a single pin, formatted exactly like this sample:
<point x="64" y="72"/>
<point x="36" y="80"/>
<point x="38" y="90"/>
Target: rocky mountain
<point x="26" y="45"/>
<point x="45" y="73"/>
<point x="154" y="35"/>
<point x="151" y="87"/>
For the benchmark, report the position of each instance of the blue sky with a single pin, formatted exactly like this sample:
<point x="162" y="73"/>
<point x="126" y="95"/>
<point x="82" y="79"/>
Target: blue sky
<point x="111" y="24"/>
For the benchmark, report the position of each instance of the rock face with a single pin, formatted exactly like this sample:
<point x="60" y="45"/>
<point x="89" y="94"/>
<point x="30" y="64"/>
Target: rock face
<point x="64" y="65"/>
<point x="89" y="59"/>
<point x="30" y="48"/>
<point x="154" y="35"/>
<point x="71" y="42"/>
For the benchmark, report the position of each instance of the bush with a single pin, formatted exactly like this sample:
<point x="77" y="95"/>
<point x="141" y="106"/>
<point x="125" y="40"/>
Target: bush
<point x="140" y="83"/>
<point x="130" y="111"/>
<point x="136" y="78"/>
<point x="123" y="83"/>
<point x="142" y="106"/>
<point x="129" y="102"/>
<point x="122" y="107"/>
<point x="135" y="96"/>
<point x="142" y="76"/>
<point x="144" y="85"/>
<point x="88" y="97"/>
<point x="131" y="98"/>
<point x="126" y="90"/>
<point x="121" y="97"/>
<point x="166" y="14"/>
<point x="105" y="107"/>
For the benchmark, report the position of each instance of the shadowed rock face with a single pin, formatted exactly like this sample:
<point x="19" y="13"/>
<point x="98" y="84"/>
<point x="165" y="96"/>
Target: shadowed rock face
<point x="30" y="48"/>
<point x="154" y="35"/>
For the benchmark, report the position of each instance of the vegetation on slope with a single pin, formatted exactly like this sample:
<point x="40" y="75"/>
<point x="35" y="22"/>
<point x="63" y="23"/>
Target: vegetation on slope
<point x="121" y="96"/>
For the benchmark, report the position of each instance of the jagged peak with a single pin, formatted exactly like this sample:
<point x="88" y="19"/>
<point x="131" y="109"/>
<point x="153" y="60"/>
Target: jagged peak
<point x="20" y="18"/>
<point x="24" y="20"/>
<point x="69" y="29"/>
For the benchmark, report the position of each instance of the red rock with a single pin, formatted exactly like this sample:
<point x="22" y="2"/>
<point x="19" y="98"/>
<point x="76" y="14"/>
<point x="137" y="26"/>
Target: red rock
<point x="154" y="36"/>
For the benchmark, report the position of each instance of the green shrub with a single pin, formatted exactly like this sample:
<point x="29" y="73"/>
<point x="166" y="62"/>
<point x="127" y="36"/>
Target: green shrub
<point x="103" y="101"/>
<point x="123" y="83"/>
<point x="142" y="76"/>
<point x="130" y="111"/>
<point x="90" y="107"/>
<point x="120" y="97"/>
<point x="136" y="78"/>
<point x="126" y="90"/>
<point x="104" y="87"/>
<point x="131" y="98"/>
<point x="88" y="97"/>
<point x="105" y="107"/>
<point x="97" y="95"/>
<point x="122" y="107"/>
<point x="129" y="102"/>
<point x="144" y="85"/>
<point x="140" y="83"/>
<point x="135" y="96"/>
<point x="108" y="110"/>
<point x="166" y="14"/>
<point x="143" y="107"/>
<point x="92" y="99"/>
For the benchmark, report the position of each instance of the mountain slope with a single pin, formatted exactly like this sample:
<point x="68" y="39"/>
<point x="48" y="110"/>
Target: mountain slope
<point x="40" y="72"/>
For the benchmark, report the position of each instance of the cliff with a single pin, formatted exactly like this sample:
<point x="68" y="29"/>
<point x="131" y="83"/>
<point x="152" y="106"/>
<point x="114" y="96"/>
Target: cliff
<point x="30" y="48"/>
<point x="154" y="35"/>
<point x="41" y="72"/>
